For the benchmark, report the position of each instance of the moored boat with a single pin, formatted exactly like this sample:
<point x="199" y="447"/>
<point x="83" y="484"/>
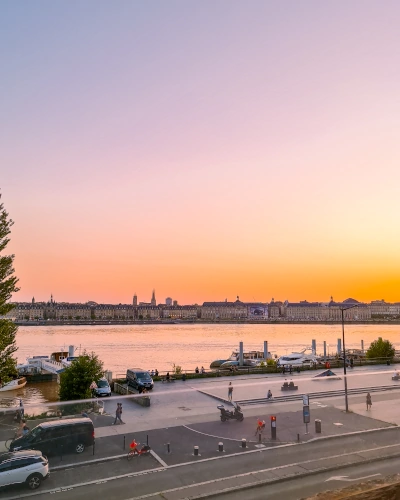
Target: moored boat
<point x="250" y="358"/>
<point x="14" y="385"/>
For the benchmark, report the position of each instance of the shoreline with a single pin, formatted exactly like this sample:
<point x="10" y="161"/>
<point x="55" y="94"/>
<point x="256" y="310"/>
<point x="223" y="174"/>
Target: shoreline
<point x="202" y="322"/>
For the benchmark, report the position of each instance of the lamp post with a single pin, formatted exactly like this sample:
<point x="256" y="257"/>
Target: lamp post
<point x="342" y="309"/>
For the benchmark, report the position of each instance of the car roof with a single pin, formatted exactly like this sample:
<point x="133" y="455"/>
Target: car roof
<point x="66" y="421"/>
<point x="4" y="457"/>
<point x="137" y="370"/>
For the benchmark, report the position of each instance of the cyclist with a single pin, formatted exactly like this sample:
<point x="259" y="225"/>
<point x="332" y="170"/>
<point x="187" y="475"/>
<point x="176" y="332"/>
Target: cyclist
<point x="134" y="446"/>
<point x="260" y="426"/>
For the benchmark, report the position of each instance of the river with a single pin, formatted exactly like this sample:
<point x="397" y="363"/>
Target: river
<point x="160" y="346"/>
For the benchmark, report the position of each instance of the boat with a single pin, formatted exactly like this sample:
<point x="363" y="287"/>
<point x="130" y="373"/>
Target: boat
<point x="250" y="358"/>
<point x="306" y="357"/>
<point x="14" y="385"/>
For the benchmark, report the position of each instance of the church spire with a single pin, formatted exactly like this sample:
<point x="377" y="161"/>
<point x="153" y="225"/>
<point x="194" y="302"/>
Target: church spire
<point x="153" y="299"/>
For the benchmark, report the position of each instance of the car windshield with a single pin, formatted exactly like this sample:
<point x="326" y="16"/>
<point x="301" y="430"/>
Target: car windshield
<point x="143" y="375"/>
<point x="34" y="433"/>
<point x="102" y="383"/>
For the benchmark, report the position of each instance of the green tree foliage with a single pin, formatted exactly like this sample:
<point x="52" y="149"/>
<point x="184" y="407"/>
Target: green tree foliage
<point x="76" y="379"/>
<point x="8" y="286"/>
<point x="381" y="349"/>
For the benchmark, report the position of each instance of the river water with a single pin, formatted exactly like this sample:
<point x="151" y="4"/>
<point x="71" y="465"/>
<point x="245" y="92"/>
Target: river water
<point x="186" y="345"/>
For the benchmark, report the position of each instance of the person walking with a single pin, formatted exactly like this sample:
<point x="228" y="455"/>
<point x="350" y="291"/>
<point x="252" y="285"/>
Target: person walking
<point x="118" y="413"/>
<point x="369" y="401"/>
<point x="269" y="395"/>
<point x="21" y="408"/>
<point x="230" y="391"/>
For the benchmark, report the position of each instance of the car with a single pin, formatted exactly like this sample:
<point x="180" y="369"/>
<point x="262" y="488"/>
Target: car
<point x="139" y="378"/>
<point x="57" y="436"/>
<point x="28" y="466"/>
<point x="103" y="388"/>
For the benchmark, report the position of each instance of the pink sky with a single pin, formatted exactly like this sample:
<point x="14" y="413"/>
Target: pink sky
<point x="204" y="149"/>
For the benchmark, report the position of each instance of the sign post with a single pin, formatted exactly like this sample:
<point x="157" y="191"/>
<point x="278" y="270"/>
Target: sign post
<point x="306" y="411"/>
<point x="273" y="427"/>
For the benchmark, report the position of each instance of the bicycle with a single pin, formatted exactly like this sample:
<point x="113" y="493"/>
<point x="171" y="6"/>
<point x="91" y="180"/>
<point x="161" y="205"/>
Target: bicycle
<point x="138" y="451"/>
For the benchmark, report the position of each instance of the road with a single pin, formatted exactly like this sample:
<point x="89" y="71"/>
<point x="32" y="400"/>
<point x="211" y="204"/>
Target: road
<point x="150" y="476"/>
<point x="295" y="489"/>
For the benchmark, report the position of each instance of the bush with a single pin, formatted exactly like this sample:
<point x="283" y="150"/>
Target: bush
<point x="176" y="369"/>
<point x="380" y="349"/>
<point x="76" y="379"/>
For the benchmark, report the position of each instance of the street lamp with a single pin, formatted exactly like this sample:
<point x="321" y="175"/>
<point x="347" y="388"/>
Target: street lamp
<point x="342" y="309"/>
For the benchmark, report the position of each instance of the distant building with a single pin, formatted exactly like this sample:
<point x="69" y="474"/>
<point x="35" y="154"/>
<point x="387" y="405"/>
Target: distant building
<point x="224" y="310"/>
<point x="153" y="299"/>
<point x="134" y="300"/>
<point x="168" y="301"/>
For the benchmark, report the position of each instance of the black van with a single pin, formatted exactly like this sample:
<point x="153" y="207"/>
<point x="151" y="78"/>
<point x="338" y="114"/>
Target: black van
<point x="139" y="378"/>
<point x="57" y="437"/>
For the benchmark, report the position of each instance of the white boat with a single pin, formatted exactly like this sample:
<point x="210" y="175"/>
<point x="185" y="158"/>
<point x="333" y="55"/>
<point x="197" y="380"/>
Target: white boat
<point x="250" y="358"/>
<point x="14" y="385"/>
<point x="306" y="357"/>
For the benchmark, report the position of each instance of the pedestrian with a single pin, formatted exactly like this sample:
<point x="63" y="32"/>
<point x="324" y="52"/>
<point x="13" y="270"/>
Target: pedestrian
<point x="369" y="401"/>
<point x="21" y="408"/>
<point x="290" y="369"/>
<point x="269" y="395"/>
<point x="283" y="370"/>
<point x="118" y="413"/>
<point x="93" y="387"/>
<point x="230" y="391"/>
<point x="156" y="373"/>
<point x="197" y="369"/>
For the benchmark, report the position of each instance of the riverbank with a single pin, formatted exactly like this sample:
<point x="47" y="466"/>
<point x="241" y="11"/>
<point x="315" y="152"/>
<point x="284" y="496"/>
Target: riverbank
<point x="272" y="321"/>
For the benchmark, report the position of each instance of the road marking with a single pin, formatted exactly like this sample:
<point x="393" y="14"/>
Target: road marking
<point x="214" y="436"/>
<point x="158" y="458"/>
<point x="346" y="478"/>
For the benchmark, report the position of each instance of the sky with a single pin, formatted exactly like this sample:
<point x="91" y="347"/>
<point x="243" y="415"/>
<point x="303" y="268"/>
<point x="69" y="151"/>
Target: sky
<point x="204" y="149"/>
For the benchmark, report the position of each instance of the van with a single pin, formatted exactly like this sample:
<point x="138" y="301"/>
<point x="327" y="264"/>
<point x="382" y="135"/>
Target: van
<point x="57" y="437"/>
<point x="139" y="379"/>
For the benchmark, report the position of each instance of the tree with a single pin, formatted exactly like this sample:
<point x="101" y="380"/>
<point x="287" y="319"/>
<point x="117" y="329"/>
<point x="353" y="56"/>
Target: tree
<point x="76" y="379"/>
<point x="8" y="286"/>
<point x="381" y="349"/>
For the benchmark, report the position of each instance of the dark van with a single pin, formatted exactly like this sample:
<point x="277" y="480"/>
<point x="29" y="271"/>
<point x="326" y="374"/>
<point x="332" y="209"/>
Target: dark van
<point x="139" y="378"/>
<point x="57" y="437"/>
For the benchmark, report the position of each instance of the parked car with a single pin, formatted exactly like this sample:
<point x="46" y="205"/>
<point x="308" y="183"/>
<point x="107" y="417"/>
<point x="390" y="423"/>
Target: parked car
<point x="57" y="437"/>
<point x="29" y="467"/>
<point x="139" y="378"/>
<point x="103" y="388"/>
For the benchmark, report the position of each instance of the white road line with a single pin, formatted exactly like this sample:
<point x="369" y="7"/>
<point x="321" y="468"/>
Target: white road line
<point x="87" y="483"/>
<point x="158" y="458"/>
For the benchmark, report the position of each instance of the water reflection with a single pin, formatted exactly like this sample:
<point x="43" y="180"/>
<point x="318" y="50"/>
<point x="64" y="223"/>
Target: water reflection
<point x="31" y="394"/>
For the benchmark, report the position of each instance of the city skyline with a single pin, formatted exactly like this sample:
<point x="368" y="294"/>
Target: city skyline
<point x="211" y="149"/>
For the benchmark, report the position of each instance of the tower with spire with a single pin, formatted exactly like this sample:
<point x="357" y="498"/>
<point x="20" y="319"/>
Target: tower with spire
<point x="135" y="300"/>
<point x="153" y="299"/>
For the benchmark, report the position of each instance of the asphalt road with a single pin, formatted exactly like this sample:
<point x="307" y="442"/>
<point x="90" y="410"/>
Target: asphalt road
<point x="147" y="475"/>
<point x="296" y="489"/>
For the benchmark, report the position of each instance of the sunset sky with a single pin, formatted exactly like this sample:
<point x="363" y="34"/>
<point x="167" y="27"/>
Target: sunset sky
<point x="206" y="149"/>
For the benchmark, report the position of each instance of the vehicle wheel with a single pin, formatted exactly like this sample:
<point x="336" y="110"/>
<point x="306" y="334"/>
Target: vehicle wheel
<point x="130" y="456"/>
<point x="223" y="419"/>
<point x="79" y="448"/>
<point x="241" y="418"/>
<point x="34" y="481"/>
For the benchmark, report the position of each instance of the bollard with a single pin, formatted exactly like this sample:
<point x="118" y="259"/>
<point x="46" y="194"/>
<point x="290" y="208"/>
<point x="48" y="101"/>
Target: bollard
<point x="147" y="440"/>
<point x="168" y="448"/>
<point x="298" y="438"/>
<point x="259" y="437"/>
<point x="196" y="451"/>
<point x="221" y="447"/>
<point x="61" y="452"/>
<point x="244" y="443"/>
<point x="124" y="441"/>
<point x="94" y="442"/>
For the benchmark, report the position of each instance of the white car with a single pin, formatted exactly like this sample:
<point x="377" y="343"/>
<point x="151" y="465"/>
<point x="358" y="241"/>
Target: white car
<point x="27" y="466"/>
